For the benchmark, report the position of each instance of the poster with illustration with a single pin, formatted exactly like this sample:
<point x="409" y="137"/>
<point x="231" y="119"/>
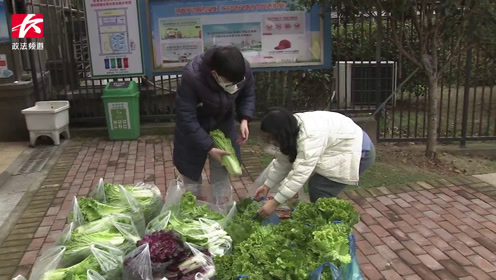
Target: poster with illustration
<point x="180" y="40"/>
<point x="115" y="40"/>
<point x="267" y="32"/>
<point x="180" y="28"/>
<point x="245" y="36"/>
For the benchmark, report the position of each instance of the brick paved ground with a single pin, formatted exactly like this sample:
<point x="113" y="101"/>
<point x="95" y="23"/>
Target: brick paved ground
<point x="436" y="230"/>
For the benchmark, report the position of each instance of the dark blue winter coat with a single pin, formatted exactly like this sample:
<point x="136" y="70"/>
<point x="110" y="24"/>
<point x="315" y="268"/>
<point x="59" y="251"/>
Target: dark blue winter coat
<point x="202" y="106"/>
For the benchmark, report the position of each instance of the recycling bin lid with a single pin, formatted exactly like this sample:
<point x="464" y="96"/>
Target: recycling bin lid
<point x="121" y="88"/>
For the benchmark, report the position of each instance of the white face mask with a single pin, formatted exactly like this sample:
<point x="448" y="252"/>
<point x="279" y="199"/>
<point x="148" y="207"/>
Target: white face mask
<point x="228" y="87"/>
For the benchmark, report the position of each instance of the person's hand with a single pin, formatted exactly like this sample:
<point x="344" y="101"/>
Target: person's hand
<point x="245" y="132"/>
<point x="217" y="154"/>
<point x="261" y="192"/>
<point x="268" y="208"/>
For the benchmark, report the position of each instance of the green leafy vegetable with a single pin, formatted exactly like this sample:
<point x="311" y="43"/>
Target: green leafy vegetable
<point x="93" y="210"/>
<point x="231" y="161"/>
<point x="149" y="198"/>
<point x="243" y="224"/>
<point x="327" y="210"/>
<point x="294" y="248"/>
<point x="331" y="243"/>
<point x="78" y="246"/>
<point x="189" y="209"/>
<point x="208" y="234"/>
<point x="77" y="271"/>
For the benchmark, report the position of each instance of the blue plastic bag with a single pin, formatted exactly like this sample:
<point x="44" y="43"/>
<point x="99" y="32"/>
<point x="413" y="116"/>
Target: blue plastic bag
<point x="349" y="271"/>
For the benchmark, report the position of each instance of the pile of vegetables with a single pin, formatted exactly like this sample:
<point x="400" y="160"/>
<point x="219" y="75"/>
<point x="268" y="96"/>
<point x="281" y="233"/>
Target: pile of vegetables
<point x="187" y="240"/>
<point x="102" y="229"/>
<point x="292" y="249"/>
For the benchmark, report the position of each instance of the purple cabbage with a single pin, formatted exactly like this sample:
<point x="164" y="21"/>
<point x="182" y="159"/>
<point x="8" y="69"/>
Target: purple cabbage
<point x="165" y="246"/>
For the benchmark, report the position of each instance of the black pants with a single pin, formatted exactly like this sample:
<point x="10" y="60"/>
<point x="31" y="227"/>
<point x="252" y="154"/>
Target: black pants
<point x="319" y="186"/>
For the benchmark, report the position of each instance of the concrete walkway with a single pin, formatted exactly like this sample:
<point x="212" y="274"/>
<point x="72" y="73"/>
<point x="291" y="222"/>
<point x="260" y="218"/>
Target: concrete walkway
<point x="435" y="230"/>
<point x="9" y="151"/>
<point x="488" y="178"/>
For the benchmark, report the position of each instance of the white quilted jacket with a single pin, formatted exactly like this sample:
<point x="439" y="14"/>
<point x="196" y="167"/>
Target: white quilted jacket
<point x="329" y="144"/>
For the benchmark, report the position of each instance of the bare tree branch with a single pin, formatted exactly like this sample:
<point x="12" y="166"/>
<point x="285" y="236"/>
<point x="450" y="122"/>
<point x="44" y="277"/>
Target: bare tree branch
<point x="434" y="41"/>
<point x="454" y="53"/>
<point x="423" y="40"/>
<point x="488" y="53"/>
<point x="403" y="31"/>
<point x="396" y="41"/>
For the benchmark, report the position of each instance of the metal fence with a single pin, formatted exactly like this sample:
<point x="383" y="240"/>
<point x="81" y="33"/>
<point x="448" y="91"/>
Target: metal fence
<point x="367" y="69"/>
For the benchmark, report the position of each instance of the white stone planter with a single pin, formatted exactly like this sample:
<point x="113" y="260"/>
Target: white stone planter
<point x="48" y="118"/>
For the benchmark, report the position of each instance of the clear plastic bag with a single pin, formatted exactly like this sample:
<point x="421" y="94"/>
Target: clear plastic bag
<point x="349" y="271"/>
<point x="150" y="198"/>
<point x="48" y="261"/>
<point x="76" y="216"/>
<point x="232" y="211"/>
<point x="98" y="192"/>
<point x="261" y="179"/>
<point x="218" y="241"/>
<point x="110" y="260"/>
<point x="199" y="264"/>
<point x="284" y="210"/>
<point x="91" y="210"/>
<point x="65" y="236"/>
<point x="138" y="264"/>
<point x="93" y="275"/>
<point x="159" y="223"/>
<point x="206" y="233"/>
<point x="106" y="260"/>
<point x="222" y="192"/>
<point x="147" y="195"/>
<point x="117" y="230"/>
<point x="173" y="197"/>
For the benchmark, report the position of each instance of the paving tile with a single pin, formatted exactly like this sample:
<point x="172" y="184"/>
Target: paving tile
<point x="454" y="268"/>
<point x="408" y="257"/>
<point x="430" y="262"/>
<point x="482" y="263"/>
<point x="445" y="275"/>
<point x="391" y="274"/>
<point x="29" y="257"/>
<point x="371" y="272"/>
<point x="458" y="257"/>
<point x="424" y="272"/>
<point x="393" y="243"/>
<point x="477" y="273"/>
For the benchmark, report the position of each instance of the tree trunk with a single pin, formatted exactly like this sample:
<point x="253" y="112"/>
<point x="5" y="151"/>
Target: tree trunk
<point x="432" y="114"/>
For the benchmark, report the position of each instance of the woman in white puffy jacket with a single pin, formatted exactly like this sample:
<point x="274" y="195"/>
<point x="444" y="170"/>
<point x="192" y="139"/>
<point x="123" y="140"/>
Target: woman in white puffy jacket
<point x="327" y="149"/>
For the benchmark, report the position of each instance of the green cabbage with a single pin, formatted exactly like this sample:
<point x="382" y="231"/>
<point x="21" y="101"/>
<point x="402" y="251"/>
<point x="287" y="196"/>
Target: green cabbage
<point x="93" y="210"/>
<point x="149" y="198"/>
<point x="231" y="161"/>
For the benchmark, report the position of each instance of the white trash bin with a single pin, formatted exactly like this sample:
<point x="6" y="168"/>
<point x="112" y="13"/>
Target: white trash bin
<point x="48" y="118"/>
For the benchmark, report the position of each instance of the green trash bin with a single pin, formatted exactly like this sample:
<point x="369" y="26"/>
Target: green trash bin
<point x="121" y="101"/>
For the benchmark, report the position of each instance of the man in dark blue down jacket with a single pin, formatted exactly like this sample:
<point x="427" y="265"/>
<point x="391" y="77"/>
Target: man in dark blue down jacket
<point x="216" y="89"/>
